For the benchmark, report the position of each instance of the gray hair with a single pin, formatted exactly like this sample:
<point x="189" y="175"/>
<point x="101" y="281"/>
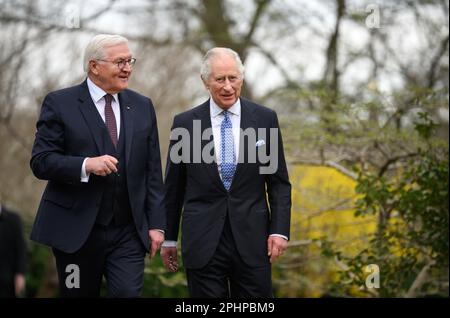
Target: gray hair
<point x="95" y="50"/>
<point x="205" y="70"/>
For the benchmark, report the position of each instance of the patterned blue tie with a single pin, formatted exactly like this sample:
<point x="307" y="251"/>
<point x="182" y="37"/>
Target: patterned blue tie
<point x="227" y="167"/>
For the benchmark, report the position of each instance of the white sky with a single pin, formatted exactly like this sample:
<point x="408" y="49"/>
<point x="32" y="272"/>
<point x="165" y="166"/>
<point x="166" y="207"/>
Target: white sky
<point x="301" y="53"/>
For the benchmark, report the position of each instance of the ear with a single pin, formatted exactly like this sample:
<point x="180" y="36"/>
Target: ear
<point x="205" y="83"/>
<point x="93" y="67"/>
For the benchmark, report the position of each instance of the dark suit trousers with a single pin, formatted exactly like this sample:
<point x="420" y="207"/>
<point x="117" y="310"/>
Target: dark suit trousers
<point x="113" y="251"/>
<point x="226" y="275"/>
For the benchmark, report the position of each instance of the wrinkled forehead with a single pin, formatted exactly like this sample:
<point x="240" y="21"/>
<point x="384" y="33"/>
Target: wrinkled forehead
<point x="224" y="64"/>
<point x="117" y="51"/>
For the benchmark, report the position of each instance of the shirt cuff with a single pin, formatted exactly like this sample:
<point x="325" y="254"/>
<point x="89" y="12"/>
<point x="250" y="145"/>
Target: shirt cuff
<point x="279" y="235"/>
<point x="169" y="244"/>
<point x="84" y="175"/>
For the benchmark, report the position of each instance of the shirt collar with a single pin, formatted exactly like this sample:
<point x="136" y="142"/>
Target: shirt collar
<point x="96" y="92"/>
<point x="216" y="110"/>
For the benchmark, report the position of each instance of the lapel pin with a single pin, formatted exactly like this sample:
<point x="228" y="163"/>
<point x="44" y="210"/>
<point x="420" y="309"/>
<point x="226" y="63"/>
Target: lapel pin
<point x="260" y="143"/>
<point x="128" y="107"/>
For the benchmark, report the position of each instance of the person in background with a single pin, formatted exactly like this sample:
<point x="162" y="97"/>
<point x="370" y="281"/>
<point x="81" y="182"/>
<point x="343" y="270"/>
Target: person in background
<point x="12" y="254"/>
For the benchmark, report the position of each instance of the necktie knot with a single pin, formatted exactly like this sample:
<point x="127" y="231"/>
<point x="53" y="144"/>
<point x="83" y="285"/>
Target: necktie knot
<point x="108" y="99"/>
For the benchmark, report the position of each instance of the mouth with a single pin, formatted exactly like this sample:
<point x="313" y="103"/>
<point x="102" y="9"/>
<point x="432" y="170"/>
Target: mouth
<point x="123" y="78"/>
<point x="227" y="96"/>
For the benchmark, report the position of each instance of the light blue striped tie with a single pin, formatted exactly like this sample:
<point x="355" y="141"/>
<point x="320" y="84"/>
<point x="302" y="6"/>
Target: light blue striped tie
<point x="228" y="166"/>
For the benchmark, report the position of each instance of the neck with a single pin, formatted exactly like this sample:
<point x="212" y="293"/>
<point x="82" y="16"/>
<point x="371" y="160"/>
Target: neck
<point x="97" y="82"/>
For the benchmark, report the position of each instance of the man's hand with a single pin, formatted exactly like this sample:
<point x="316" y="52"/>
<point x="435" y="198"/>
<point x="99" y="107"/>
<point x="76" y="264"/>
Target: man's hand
<point x="276" y="246"/>
<point x="156" y="239"/>
<point x="101" y="166"/>
<point x="19" y="284"/>
<point x="169" y="257"/>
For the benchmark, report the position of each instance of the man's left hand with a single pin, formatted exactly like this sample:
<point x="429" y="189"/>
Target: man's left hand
<point x="156" y="239"/>
<point x="276" y="246"/>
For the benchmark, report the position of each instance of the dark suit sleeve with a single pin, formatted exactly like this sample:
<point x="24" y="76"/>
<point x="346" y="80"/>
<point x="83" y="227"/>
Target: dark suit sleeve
<point x="175" y="183"/>
<point x="49" y="161"/>
<point x="156" y="212"/>
<point x="279" y="190"/>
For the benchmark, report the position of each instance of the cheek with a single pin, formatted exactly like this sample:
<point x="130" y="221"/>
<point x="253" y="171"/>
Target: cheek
<point x="215" y="92"/>
<point x="110" y="77"/>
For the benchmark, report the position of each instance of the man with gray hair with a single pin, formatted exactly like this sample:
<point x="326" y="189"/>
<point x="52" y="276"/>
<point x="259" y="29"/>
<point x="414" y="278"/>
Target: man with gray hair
<point x="97" y="146"/>
<point x="235" y="212"/>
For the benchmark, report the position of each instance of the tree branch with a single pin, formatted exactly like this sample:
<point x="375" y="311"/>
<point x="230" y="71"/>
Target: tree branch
<point x="261" y="6"/>
<point x="331" y="73"/>
<point x="289" y="82"/>
<point x="394" y="160"/>
<point x="435" y="62"/>
<point x="327" y="163"/>
<point x="419" y="281"/>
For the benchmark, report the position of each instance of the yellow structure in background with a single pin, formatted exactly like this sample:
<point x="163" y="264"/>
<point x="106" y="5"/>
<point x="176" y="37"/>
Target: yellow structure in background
<point x="323" y="201"/>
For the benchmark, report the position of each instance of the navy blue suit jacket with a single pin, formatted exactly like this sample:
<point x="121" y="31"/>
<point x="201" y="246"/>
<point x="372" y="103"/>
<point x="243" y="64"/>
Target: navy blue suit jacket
<point x="70" y="129"/>
<point x="257" y="204"/>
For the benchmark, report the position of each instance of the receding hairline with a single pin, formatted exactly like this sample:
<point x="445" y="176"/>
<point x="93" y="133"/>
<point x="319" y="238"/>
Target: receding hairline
<point x="216" y="54"/>
<point x="98" y="46"/>
<point x="221" y="51"/>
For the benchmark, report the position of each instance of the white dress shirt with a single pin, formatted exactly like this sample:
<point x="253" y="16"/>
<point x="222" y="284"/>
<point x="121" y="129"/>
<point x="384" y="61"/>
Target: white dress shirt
<point x="217" y="117"/>
<point x="97" y="95"/>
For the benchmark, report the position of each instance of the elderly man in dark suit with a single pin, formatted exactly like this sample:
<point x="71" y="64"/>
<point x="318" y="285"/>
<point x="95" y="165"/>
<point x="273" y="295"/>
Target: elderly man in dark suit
<point x="97" y="145"/>
<point x="234" y="202"/>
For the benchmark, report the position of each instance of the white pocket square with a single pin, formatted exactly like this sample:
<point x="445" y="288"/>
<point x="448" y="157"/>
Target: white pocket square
<point x="260" y="143"/>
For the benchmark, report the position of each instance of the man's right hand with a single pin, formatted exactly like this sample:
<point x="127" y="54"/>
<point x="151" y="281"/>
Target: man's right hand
<point x="169" y="257"/>
<point x="101" y="166"/>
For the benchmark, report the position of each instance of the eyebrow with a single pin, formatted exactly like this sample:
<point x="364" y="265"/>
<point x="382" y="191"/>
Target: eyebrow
<point x="229" y="75"/>
<point x="123" y="57"/>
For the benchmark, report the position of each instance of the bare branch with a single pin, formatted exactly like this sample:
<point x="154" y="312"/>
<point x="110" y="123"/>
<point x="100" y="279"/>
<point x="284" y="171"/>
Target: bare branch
<point x="331" y="73"/>
<point x="419" y="281"/>
<point x="15" y="135"/>
<point x="443" y="47"/>
<point x="394" y="160"/>
<point x="289" y="82"/>
<point x="327" y="163"/>
<point x="262" y="4"/>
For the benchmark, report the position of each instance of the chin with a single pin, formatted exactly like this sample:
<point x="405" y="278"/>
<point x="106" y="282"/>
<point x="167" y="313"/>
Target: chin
<point x="228" y="102"/>
<point x="122" y="86"/>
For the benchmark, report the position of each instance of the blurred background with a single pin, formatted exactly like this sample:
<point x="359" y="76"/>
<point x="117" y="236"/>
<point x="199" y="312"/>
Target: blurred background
<point x="361" y="91"/>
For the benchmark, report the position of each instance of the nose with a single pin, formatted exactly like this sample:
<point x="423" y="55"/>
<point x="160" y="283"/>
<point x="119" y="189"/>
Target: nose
<point x="227" y="85"/>
<point x="127" y="67"/>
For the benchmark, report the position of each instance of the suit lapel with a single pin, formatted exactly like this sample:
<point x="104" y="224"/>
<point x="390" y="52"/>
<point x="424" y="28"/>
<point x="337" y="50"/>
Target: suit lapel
<point x="92" y="117"/>
<point x="128" y="114"/>
<point x="203" y="114"/>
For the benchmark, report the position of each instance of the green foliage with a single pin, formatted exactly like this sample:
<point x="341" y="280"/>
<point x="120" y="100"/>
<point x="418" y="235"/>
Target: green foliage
<point x="158" y="282"/>
<point x="37" y="257"/>
<point x="411" y="245"/>
<point x="426" y="127"/>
